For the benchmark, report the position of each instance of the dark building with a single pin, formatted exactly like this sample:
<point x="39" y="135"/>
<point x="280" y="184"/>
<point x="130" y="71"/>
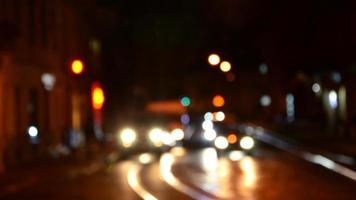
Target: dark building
<point x="38" y="41"/>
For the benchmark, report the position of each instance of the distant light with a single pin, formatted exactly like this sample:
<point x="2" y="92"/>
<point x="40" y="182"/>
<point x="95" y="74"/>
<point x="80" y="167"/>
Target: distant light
<point x="48" y="81"/>
<point x="333" y="99"/>
<point x="265" y="100"/>
<point x="290" y="98"/>
<point x="207" y="125"/>
<point x="263" y="68"/>
<point x="218" y="101"/>
<point x="98" y="97"/>
<point x="210" y="134"/>
<point x="214" y="59"/>
<point x="145" y="158"/>
<point x="232" y="138"/>
<point x="236" y="155"/>
<point x="128" y="137"/>
<point x="32" y="131"/>
<point x="247" y="143"/>
<point x="167" y="139"/>
<point x="95" y="46"/>
<point x="220" y="116"/>
<point x="185" y="119"/>
<point x="185" y="101"/>
<point x="178" y="134"/>
<point x="156" y="135"/>
<point x="221" y="142"/>
<point x="208" y="116"/>
<point x="225" y="66"/>
<point x="336" y="77"/>
<point x="316" y="88"/>
<point x="77" y="67"/>
<point x="290" y="107"/>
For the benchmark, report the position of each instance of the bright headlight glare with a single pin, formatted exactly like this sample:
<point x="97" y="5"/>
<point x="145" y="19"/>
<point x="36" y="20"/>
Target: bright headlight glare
<point x="178" y="134"/>
<point x="247" y="143"/>
<point x="127" y="137"/>
<point x="221" y="143"/>
<point x="156" y="135"/>
<point x="210" y="135"/>
<point x="167" y="139"/>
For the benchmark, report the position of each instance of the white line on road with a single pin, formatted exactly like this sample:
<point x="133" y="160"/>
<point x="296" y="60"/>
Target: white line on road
<point x="134" y="182"/>
<point x="166" y="163"/>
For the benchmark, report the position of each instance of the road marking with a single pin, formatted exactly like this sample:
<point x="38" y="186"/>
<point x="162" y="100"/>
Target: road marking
<point x="134" y="182"/>
<point x="260" y="134"/>
<point x="166" y="163"/>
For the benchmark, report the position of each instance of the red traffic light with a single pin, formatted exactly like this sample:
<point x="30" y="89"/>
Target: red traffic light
<point x="97" y="96"/>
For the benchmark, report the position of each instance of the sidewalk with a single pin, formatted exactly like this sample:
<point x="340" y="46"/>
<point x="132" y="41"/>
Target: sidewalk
<point x="52" y="169"/>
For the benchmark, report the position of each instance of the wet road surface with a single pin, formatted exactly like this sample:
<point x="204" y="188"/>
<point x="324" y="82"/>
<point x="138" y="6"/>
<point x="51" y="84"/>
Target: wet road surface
<point x="267" y="174"/>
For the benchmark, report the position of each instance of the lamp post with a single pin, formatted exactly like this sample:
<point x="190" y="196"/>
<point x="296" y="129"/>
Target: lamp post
<point x="77" y="69"/>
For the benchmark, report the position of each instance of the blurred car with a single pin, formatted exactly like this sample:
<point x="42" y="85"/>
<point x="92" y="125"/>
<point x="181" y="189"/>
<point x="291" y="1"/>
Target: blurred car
<point x="143" y="134"/>
<point x="223" y="136"/>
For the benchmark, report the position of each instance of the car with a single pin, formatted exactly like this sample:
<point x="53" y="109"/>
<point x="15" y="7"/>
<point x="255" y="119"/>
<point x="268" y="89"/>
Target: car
<point x="221" y="135"/>
<point x="142" y="134"/>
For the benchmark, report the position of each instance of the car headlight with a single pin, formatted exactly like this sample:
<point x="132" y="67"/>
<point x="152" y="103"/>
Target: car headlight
<point x="247" y="142"/>
<point x="178" y="134"/>
<point x="168" y="139"/>
<point x="221" y="143"/>
<point x="155" y="135"/>
<point x="210" y="134"/>
<point x="127" y="137"/>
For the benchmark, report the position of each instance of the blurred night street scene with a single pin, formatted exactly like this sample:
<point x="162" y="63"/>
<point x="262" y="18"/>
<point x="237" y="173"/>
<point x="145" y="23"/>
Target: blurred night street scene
<point x="188" y="99"/>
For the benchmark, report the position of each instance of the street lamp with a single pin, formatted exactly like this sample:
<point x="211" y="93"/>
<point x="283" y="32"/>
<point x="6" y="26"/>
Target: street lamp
<point x="225" y="66"/>
<point x="76" y="68"/>
<point x="214" y="59"/>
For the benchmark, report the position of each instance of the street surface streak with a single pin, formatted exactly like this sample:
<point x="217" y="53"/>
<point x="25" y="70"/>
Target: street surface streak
<point x="270" y="174"/>
<point x="153" y="181"/>
<point x="267" y="174"/>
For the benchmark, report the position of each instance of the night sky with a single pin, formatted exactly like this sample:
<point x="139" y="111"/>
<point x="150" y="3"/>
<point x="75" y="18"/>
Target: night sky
<point x="153" y="48"/>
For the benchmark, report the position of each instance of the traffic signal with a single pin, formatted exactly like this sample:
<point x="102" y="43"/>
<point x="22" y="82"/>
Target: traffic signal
<point x="218" y="101"/>
<point x="185" y="101"/>
<point x="77" y="67"/>
<point x="97" y="96"/>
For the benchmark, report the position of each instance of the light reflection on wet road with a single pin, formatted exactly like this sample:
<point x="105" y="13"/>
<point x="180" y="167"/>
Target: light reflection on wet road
<point x="268" y="174"/>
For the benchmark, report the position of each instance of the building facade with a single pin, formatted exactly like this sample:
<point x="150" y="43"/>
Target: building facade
<point x="38" y="40"/>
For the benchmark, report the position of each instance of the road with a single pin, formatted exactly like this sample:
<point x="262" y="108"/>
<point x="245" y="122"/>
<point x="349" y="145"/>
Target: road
<point x="267" y="174"/>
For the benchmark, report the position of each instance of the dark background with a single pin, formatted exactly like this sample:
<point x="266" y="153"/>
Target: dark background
<point x="157" y="50"/>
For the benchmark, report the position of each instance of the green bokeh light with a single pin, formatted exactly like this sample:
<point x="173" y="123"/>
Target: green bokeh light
<point x="185" y="101"/>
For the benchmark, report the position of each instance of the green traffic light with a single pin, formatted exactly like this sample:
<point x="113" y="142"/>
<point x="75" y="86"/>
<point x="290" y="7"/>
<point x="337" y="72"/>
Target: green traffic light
<point x="185" y="101"/>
